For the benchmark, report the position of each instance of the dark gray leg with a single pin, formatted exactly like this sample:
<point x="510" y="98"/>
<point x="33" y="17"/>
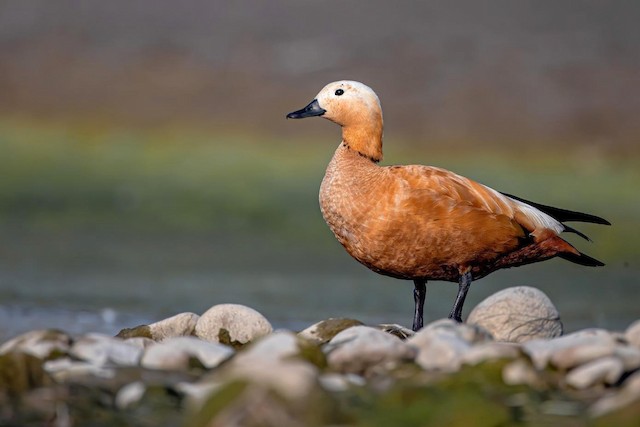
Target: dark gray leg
<point x="418" y="297"/>
<point x="463" y="288"/>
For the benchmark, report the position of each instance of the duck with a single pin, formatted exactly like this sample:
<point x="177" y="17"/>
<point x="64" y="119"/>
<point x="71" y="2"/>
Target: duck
<point x="425" y="223"/>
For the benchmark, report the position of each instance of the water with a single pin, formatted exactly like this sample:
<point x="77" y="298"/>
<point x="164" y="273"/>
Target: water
<point x="105" y="281"/>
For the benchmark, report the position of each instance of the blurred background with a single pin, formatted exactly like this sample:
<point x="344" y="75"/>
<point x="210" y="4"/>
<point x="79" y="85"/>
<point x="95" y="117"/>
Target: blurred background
<point x="146" y="167"/>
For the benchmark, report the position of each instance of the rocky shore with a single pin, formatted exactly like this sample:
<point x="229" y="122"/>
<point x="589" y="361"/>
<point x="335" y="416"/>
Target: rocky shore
<point x="509" y="363"/>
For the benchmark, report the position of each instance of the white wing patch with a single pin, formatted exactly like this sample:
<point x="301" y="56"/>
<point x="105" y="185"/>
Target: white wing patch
<point x="539" y="218"/>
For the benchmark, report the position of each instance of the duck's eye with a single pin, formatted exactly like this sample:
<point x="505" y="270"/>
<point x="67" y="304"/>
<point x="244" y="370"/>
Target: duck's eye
<point x="339" y="92"/>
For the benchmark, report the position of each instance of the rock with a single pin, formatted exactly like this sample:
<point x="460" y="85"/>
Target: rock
<point x="469" y="333"/>
<point x="570" y="357"/>
<point x="64" y="369"/>
<point x="632" y="334"/>
<point x="176" y="354"/>
<point x="140" y="342"/>
<point x="520" y="372"/>
<point x="397" y="330"/>
<point x="629" y="355"/>
<point x="271" y="348"/>
<point x="43" y="344"/>
<point x="628" y="394"/>
<point x="19" y="372"/>
<point x="130" y="394"/>
<point x="232" y="323"/>
<point x="607" y="370"/>
<point x="440" y="347"/>
<point x="517" y="314"/>
<point x="337" y="383"/>
<point x="540" y="351"/>
<point x="361" y="348"/>
<point x="489" y="351"/>
<point x="140" y="331"/>
<point x="182" y="324"/>
<point x="323" y="331"/>
<point x="197" y="393"/>
<point x="101" y="350"/>
<point x="277" y="361"/>
<point x="293" y="379"/>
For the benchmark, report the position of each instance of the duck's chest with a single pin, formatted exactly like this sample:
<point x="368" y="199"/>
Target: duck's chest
<point x="349" y="200"/>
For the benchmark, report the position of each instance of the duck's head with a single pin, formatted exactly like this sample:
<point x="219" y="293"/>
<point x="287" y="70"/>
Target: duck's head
<point x="355" y="107"/>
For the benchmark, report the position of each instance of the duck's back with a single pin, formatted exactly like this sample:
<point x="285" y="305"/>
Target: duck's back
<point x="414" y="221"/>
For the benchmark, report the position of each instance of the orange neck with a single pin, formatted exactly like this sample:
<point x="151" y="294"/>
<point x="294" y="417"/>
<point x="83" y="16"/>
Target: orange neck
<point x="366" y="140"/>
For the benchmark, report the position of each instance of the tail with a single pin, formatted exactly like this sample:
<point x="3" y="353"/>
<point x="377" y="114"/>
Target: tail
<point x="563" y="215"/>
<point x="581" y="259"/>
<point x="563" y="249"/>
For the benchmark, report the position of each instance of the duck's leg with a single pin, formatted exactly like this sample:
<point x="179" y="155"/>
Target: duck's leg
<point x="418" y="297"/>
<point x="463" y="288"/>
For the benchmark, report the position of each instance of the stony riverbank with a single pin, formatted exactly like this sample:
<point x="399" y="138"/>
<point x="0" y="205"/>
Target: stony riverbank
<point x="509" y="363"/>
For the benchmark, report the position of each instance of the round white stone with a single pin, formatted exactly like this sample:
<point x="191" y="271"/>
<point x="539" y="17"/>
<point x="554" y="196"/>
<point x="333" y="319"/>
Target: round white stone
<point x="517" y="314"/>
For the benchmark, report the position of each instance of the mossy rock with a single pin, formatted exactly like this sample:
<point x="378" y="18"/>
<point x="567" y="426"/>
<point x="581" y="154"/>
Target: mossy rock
<point x="21" y="372"/>
<point x="322" y="332"/>
<point x="142" y="331"/>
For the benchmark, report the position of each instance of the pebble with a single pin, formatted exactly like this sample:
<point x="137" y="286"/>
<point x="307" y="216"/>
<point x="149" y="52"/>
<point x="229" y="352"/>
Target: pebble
<point x="40" y="343"/>
<point x="130" y="394"/>
<point x="517" y="314"/>
<point x="440" y="347"/>
<point x="540" y="351"/>
<point x="628" y="395"/>
<point x="101" y="350"/>
<point x="606" y="370"/>
<point x="274" y="347"/>
<point x="520" y="372"/>
<point x="141" y="342"/>
<point x="332" y="356"/>
<point x="182" y="324"/>
<point x="293" y="378"/>
<point x="576" y="355"/>
<point x="176" y="354"/>
<point x="335" y="382"/>
<point x="324" y="330"/>
<point x="241" y="323"/>
<point x="632" y="334"/>
<point x="490" y="351"/>
<point x="469" y="333"/>
<point x="65" y="369"/>
<point x="629" y="355"/>
<point x="361" y="348"/>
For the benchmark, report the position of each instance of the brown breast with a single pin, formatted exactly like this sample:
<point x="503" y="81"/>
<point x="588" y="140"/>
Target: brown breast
<point x="398" y="224"/>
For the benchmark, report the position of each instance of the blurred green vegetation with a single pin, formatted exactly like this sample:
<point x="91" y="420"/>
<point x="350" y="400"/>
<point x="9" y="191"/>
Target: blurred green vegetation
<point x="87" y="175"/>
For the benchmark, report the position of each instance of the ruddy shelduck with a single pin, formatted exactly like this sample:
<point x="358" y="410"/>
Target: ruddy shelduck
<point x="421" y="222"/>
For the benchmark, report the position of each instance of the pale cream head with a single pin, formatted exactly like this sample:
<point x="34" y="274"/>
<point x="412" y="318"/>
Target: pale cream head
<point x="356" y="108"/>
<point x="349" y="102"/>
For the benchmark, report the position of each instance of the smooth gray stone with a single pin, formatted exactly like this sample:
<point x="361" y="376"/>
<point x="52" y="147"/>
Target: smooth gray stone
<point x="243" y="324"/>
<point x="40" y="343"/>
<point x="606" y="370"/>
<point x="182" y="324"/>
<point x="517" y="314"/>
<point x="361" y="348"/>
<point x="440" y="348"/>
<point x="540" y="351"/>
<point x="632" y="334"/>
<point x="101" y="350"/>
<point x="175" y="354"/>
<point x="322" y="332"/>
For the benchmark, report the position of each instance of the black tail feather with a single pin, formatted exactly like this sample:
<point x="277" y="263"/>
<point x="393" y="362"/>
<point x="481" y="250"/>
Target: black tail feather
<point x="563" y="214"/>
<point x="579" y="233"/>
<point x="581" y="259"/>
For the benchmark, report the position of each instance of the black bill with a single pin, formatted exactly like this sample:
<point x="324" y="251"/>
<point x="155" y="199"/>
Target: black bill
<point x="311" y="110"/>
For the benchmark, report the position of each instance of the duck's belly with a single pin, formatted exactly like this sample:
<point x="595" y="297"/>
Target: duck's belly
<point x="398" y="247"/>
